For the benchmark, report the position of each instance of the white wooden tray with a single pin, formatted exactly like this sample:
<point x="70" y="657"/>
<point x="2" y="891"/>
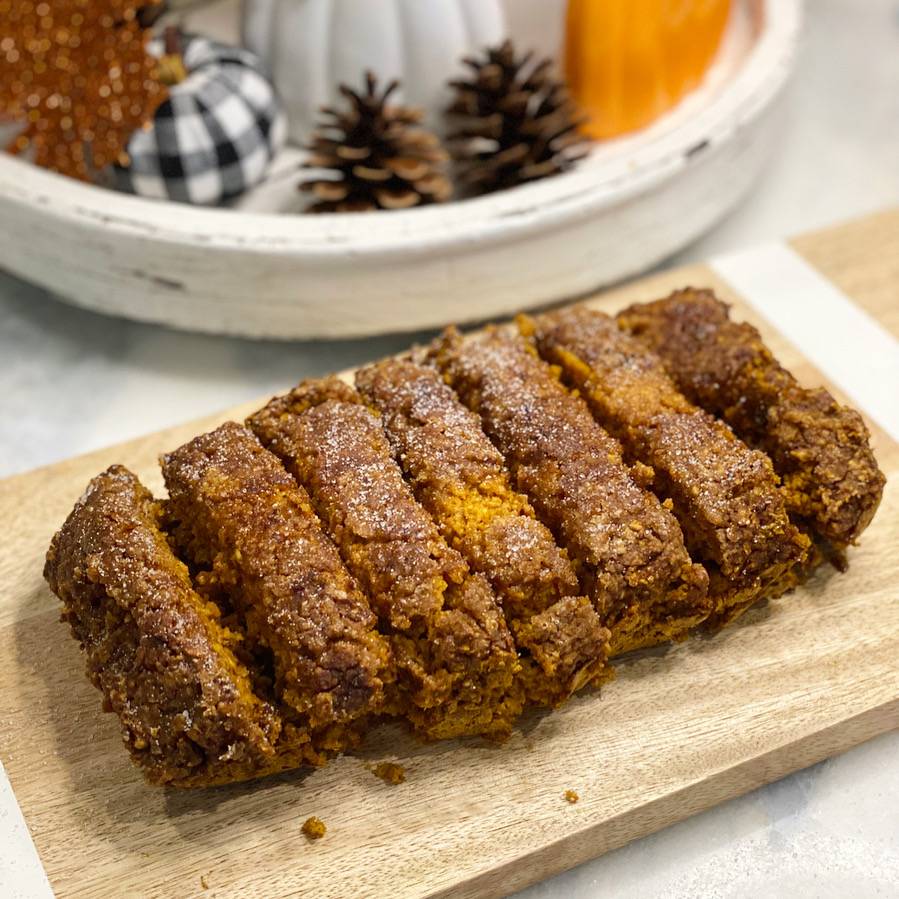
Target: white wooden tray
<point x="264" y="269"/>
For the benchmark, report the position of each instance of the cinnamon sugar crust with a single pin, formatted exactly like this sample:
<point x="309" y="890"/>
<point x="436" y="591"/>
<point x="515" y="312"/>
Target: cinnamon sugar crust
<point x="820" y="448"/>
<point x="460" y="478"/>
<point x="455" y="657"/>
<point x="241" y="519"/>
<point x="724" y="494"/>
<point x="157" y="650"/>
<point x="627" y="549"/>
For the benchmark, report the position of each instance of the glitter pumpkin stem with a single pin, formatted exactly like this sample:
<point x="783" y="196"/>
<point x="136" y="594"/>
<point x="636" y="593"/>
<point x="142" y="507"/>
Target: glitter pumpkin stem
<point x="172" y="70"/>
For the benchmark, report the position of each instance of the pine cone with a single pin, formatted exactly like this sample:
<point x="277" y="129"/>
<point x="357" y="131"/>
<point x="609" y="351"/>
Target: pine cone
<point x="378" y="156"/>
<point x="516" y="122"/>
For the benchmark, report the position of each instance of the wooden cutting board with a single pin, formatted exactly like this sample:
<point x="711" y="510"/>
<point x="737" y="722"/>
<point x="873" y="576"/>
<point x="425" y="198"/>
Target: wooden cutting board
<point x="679" y="730"/>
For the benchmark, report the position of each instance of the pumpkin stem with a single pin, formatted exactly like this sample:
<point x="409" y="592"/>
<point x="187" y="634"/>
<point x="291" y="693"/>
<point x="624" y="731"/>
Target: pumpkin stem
<point x="149" y="15"/>
<point x="172" y="70"/>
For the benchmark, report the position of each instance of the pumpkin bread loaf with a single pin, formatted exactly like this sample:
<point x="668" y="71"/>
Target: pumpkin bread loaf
<point x="249" y="530"/>
<point x="627" y="548"/>
<point x="483" y="527"/>
<point x="454" y="655"/>
<point x="724" y="494"/>
<point x="820" y="449"/>
<point x="461" y="479"/>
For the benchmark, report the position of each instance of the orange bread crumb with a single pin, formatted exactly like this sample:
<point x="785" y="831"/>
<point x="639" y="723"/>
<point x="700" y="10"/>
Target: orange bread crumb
<point x="314" y="828"/>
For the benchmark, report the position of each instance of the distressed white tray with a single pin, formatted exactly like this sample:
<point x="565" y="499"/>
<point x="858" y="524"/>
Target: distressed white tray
<point x="264" y="269"/>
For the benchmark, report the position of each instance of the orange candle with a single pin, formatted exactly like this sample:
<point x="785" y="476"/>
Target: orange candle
<point x="629" y="61"/>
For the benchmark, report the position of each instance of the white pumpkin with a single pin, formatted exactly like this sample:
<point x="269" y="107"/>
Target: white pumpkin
<point x="537" y="25"/>
<point x="312" y="46"/>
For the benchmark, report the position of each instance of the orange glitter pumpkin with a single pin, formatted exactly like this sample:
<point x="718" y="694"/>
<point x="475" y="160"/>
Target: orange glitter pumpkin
<point x="629" y="61"/>
<point x="77" y="77"/>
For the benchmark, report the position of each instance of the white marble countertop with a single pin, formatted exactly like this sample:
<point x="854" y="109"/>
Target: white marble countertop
<point x="71" y="381"/>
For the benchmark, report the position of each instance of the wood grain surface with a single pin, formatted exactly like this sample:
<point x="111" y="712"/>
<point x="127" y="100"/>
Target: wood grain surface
<point x="680" y="729"/>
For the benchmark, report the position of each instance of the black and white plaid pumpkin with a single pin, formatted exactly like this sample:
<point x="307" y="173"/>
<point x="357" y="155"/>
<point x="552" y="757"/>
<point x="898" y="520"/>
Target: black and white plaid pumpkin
<point x="215" y="135"/>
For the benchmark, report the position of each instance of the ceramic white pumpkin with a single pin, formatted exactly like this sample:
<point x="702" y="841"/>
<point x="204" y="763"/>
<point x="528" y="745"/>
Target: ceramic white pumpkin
<point x="311" y="46"/>
<point x="537" y="25"/>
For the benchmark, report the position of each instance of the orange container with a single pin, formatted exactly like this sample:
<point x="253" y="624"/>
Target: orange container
<point x="629" y="61"/>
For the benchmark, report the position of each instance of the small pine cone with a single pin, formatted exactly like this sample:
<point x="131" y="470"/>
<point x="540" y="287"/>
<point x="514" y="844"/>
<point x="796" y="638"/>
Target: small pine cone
<point x="375" y="156"/>
<point x="516" y="122"/>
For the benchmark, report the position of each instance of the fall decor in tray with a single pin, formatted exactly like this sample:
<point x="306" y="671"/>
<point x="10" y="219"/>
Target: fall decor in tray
<point x="217" y="132"/>
<point x="77" y="116"/>
<point x="375" y="155"/>
<point x="654" y="185"/>
<point x="516" y="121"/>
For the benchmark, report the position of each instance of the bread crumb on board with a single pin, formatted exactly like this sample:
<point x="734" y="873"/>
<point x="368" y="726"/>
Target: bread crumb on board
<point x="314" y="828"/>
<point x="571" y="796"/>
<point x="389" y="772"/>
<point x="204" y="883"/>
